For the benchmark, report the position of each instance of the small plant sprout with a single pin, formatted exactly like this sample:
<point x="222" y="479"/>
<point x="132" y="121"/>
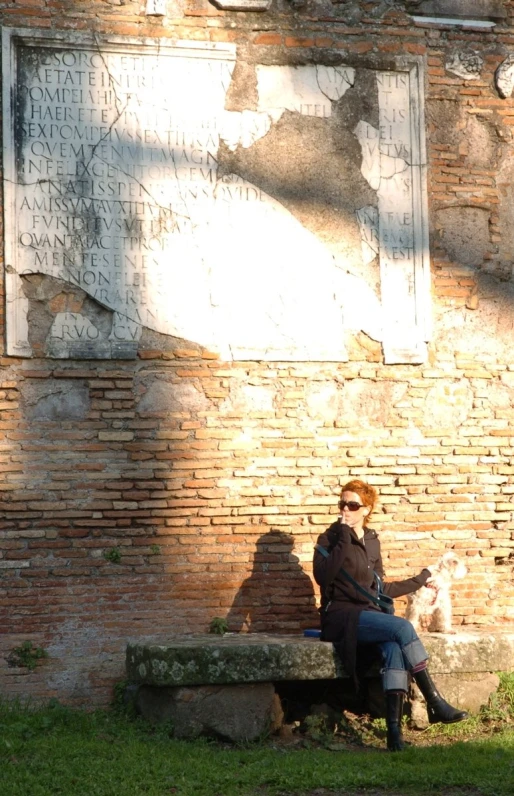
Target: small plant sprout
<point x="155" y="549"/>
<point x="113" y="554"/>
<point x="26" y="655"/>
<point x="218" y="625"/>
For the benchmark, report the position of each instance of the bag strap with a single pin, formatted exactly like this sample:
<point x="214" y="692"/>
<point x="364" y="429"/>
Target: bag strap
<point x="376" y="600"/>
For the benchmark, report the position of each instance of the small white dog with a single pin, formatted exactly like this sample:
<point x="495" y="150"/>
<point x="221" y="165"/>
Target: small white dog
<point x="430" y="608"/>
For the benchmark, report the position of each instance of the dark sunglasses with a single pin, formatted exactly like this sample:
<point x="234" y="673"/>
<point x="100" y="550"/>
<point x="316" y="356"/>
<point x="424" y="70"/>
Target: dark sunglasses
<point x="352" y="505"/>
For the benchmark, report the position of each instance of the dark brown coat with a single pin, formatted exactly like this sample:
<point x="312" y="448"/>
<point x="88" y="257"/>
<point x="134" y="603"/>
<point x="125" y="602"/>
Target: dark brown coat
<point x="341" y="603"/>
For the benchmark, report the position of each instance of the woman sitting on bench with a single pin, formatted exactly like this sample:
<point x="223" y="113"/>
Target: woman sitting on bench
<point x="346" y="558"/>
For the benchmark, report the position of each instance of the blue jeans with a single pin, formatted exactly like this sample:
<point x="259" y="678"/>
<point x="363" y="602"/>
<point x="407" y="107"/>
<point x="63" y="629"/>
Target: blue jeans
<point x="399" y="645"/>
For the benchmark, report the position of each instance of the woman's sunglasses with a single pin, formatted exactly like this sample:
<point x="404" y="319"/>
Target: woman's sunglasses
<point x="352" y="505"/>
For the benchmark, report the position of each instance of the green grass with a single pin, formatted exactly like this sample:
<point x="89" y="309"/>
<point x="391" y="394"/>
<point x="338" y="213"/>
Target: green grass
<point x="57" y="750"/>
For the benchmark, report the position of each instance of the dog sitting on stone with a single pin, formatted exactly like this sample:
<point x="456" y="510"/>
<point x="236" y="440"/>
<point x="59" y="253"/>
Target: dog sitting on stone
<point x="430" y="608"/>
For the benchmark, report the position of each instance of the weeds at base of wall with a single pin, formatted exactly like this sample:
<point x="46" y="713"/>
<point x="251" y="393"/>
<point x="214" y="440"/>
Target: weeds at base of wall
<point x="124" y="699"/>
<point x="123" y="705"/>
<point x="218" y="625"/>
<point x="26" y="656"/>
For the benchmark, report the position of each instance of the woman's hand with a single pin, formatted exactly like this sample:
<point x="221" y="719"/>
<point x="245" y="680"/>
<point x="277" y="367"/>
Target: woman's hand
<point x="426" y="571"/>
<point x="344" y="532"/>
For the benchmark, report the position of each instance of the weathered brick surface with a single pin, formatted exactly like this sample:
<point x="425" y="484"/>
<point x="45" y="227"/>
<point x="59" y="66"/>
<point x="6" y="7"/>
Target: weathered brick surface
<point x="122" y="522"/>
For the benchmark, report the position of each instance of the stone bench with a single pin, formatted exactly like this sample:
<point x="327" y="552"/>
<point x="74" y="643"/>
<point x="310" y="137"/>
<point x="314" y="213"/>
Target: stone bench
<point x="226" y="685"/>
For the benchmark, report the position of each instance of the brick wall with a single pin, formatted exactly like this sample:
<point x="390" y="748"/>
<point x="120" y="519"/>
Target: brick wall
<point x="144" y="498"/>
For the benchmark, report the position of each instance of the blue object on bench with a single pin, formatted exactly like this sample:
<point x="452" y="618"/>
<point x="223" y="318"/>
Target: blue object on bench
<point x="312" y="633"/>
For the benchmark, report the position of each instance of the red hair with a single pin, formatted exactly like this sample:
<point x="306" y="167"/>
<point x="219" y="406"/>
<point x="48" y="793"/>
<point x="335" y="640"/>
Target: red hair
<point x="366" y="492"/>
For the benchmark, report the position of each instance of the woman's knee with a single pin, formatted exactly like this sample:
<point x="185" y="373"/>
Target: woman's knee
<point x="414" y="653"/>
<point x="405" y="633"/>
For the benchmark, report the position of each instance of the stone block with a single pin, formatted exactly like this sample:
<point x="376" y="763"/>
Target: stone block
<point x="470" y="652"/>
<point x="235" y="713"/>
<point x="468" y="9"/>
<point x="469" y="692"/>
<point x="233" y="658"/>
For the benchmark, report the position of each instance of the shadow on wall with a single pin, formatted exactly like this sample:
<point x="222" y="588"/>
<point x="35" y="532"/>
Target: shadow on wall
<point x="278" y="597"/>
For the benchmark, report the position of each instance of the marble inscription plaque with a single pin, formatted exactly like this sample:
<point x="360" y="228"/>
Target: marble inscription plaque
<point x="115" y="184"/>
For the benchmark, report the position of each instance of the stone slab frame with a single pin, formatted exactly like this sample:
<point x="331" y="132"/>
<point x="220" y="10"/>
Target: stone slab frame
<point x="406" y="291"/>
<point x="88" y="123"/>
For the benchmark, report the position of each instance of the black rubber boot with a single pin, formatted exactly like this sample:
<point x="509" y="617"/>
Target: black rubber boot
<point x="437" y="708"/>
<point x="394" y="713"/>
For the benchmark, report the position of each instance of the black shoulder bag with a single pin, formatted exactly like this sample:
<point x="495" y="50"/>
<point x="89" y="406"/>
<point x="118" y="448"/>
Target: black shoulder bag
<point x="382" y="601"/>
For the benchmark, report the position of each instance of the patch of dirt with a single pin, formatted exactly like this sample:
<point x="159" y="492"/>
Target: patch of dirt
<point x="346" y="731"/>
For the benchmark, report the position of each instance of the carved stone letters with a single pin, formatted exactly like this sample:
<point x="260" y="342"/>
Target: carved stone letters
<point x="115" y="185"/>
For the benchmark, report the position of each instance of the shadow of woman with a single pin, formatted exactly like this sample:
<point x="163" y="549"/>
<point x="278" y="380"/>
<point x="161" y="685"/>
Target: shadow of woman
<point x="278" y="597"/>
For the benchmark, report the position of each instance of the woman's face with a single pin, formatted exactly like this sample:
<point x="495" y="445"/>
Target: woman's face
<point x="355" y="519"/>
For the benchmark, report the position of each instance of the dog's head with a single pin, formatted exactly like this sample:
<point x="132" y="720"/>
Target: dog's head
<point x="449" y="567"/>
